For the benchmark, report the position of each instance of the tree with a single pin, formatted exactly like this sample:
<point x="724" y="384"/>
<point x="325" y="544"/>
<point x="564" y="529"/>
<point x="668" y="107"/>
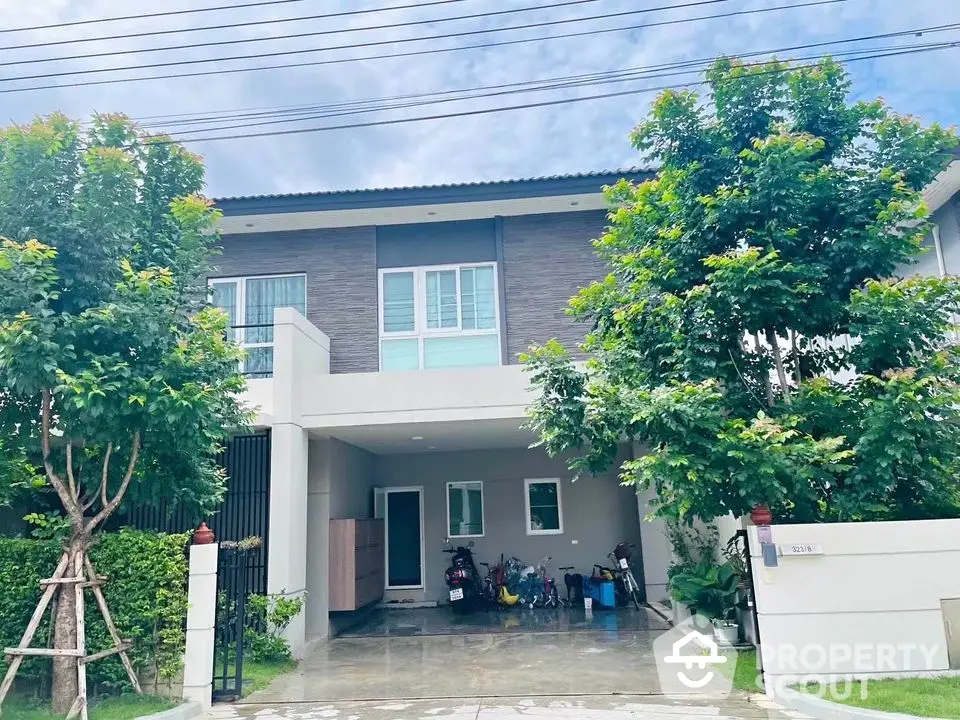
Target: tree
<point x="750" y="338"/>
<point x="118" y="382"/>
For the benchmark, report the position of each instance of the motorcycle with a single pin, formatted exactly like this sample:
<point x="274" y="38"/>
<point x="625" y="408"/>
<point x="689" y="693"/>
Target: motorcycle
<point x="462" y="578"/>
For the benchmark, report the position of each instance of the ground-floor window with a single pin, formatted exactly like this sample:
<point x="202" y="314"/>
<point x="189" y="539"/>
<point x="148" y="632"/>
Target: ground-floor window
<point x="465" y="509"/>
<point x="543" y="505"/>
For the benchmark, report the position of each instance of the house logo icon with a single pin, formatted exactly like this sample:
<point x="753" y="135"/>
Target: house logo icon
<point x="692" y="642"/>
<point x="689" y="661"/>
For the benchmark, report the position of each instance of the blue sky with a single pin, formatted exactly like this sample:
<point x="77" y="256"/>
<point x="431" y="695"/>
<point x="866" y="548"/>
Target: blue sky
<point x="567" y="138"/>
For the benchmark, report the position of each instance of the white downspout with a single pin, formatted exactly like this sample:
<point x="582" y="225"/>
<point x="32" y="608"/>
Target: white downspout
<point x="942" y="266"/>
<point x="941" y="263"/>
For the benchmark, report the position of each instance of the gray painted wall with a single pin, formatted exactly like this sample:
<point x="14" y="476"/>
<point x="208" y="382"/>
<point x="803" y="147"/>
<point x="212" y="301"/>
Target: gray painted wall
<point x="354" y="474"/>
<point x="340" y="479"/>
<point x="341" y="269"/>
<point x="440" y="243"/>
<point x="597" y="512"/>
<point x="545" y="260"/>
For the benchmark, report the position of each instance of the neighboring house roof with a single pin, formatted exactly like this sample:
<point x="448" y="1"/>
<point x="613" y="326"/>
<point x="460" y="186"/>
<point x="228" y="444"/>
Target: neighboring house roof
<point x="550" y="185"/>
<point x="944" y="186"/>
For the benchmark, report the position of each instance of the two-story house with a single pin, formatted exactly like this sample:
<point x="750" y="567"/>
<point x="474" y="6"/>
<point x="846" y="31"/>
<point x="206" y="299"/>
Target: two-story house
<point x="382" y="330"/>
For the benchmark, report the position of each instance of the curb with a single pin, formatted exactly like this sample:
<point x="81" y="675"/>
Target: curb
<point x="825" y="710"/>
<point x="662" y="610"/>
<point x="183" y="711"/>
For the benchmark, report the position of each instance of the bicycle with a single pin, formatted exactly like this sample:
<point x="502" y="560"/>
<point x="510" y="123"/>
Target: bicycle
<point x="629" y="585"/>
<point x="494" y="581"/>
<point x="550" y="596"/>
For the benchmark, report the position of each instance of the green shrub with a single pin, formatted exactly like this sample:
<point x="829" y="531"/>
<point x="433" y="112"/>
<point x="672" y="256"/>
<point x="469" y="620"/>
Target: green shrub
<point x="146" y="592"/>
<point x="269" y="616"/>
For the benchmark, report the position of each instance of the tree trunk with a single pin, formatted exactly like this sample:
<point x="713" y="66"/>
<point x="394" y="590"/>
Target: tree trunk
<point x="64" y="689"/>
<point x="778" y="364"/>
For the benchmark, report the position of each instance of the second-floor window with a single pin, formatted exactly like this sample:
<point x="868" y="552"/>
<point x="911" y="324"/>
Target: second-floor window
<point x="249" y="302"/>
<point x="439" y="317"/>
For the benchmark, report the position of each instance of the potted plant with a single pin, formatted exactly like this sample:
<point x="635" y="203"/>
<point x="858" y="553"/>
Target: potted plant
<point x="710" y="590"/>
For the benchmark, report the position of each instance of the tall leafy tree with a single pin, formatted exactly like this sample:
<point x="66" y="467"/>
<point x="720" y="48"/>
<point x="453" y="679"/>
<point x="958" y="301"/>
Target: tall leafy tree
<point x="751" y="339"/>
<point x="118" y="382"/>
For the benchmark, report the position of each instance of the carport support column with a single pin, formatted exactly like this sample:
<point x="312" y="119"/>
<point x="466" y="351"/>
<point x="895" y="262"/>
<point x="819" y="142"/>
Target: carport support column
<point x="298" y="351"/>
<point x="657" y="551"/>
<point x="319" y="479"/>
<point x="287" y="560"/>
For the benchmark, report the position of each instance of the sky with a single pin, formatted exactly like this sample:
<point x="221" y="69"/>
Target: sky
<point x="554" y="139"/>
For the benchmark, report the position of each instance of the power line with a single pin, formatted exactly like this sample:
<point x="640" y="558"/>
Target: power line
<point x="620" y="76"/>
<point x="226" y="71"/>
<point x="509" y="108"/>
<point x="274" y="21"/>
<point x="348" y="46"/>
<point x="621" y="73"/>
<point x="190" y="11"/>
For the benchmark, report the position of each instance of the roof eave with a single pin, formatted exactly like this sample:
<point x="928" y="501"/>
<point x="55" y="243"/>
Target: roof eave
<point x="426" y="195"/>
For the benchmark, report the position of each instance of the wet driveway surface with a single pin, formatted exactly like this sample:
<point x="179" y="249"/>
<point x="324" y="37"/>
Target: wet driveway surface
<point x="441" y="621"/>
<point x="487" y="662"/>
<point x="430" y="665"/>
<point x="542" y="708"/>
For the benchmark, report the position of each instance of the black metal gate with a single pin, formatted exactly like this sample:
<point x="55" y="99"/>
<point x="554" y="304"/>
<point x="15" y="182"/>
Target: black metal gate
<point x="245" y="511"/>
<point x="744" y="537"/>
<point x="233" y="574"/>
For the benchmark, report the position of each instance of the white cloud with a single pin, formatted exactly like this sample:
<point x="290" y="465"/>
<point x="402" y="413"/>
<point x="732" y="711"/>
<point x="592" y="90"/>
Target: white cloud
<point x="567" y="138"/>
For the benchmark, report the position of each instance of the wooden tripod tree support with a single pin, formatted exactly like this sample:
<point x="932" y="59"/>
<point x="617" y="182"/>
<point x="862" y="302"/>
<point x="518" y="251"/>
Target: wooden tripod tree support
<point x="83" y="575"/>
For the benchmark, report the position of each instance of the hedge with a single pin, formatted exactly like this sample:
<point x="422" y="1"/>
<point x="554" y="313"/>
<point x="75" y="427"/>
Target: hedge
<point x="146" y="591"/>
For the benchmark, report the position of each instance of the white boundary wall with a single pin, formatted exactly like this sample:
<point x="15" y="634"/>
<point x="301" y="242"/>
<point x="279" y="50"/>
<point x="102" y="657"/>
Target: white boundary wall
<point x="868" y="605"/>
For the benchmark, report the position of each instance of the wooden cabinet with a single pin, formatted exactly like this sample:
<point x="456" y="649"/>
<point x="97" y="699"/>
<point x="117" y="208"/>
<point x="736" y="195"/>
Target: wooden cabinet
<point x="356" y="563"/>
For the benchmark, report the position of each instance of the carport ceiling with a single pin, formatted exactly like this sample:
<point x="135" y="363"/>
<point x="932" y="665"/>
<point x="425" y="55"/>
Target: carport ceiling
<point x="434" y="437"/>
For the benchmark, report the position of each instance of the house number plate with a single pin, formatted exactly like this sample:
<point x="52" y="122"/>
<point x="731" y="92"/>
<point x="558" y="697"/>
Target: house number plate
<point x="801" y="549"/>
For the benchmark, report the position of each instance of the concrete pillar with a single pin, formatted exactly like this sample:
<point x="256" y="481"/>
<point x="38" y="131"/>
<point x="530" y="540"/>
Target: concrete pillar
<point x="286" y="562"/>
<point x="657" y="552"/>
<point x="319" y="479"/>
<point x="201" y="619"/>
<point x="300" y="351"/>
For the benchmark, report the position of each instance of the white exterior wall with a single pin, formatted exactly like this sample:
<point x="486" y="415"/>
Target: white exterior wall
<point x="875" y="590"/>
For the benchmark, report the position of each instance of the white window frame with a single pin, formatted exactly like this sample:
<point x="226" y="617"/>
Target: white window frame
<point x="239" y="333"/>
<point x="483" y="508"/>
<point x="526" y="503"/>
<point x="420" y="330"/>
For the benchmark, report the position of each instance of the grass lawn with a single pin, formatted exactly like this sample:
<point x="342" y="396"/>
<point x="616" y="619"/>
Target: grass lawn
<point x="926" y="697"/>
<point x="257" y="675"/>
<point x="125" y="707"/>
<point x="746" y="676"/>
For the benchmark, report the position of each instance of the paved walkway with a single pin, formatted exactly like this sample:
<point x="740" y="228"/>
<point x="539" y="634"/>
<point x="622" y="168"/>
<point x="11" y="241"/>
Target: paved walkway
<point x="535" y="708"/>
